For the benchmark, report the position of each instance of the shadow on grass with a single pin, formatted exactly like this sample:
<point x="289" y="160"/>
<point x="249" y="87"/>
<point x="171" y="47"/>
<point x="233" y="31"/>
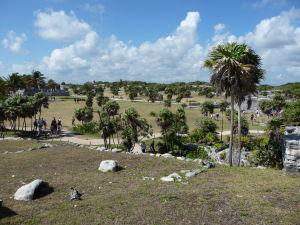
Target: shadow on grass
<point x="6" y="212"/>
<point x="43" y="190"/>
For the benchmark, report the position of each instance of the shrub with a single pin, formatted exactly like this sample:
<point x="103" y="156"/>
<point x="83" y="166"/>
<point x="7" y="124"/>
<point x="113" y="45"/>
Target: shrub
<point x="210" y="138"/>
<point x="220" y="146"/>
<point x="86" y="128"/>
<point x="199" y="153"/>
<point x="153" y="114"/>
<point x="223" y="156"/>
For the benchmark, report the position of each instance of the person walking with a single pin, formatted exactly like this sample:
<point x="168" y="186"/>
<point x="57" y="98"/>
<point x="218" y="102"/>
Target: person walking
<point x="53" y="126"/>
<point x="152" y="148"/>
<point x="40" y="127"/>
<point x="143" y="147"/>
<point x="59" y="126"/>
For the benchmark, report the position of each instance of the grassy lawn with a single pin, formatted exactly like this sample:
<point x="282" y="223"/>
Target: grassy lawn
<point x="13" y="146"/>
<point x="221" y="195"/>
<point x="65" y="111"/>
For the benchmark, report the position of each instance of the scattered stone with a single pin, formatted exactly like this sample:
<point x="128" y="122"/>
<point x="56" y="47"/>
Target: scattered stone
<point x="168" y="179"/>
<point x="101" y="149"/>
<point x="81" y="146"/>
<point x="158" y="155"/>
<point x="108" y="166"/>
<point x="13" y="176"/>
<point x="148" y="178"/>
<point x="167" y="155"/>
<point x="180" y="158"/>
<point x="260" y="167"/>
<point x="189" y="160"/>
<point x="198" y="161"/>
<point x="245" y="162"/>
<point x="116" y="150"/>
<point x="26" y="192"/>
<point x="151" y="154"/>
<point x="184" y="171"/>
<point x="207" y="164"/>
<point x="193" y="173"/>
<point x="171" y="178"/>
<point x="74" y="194"/>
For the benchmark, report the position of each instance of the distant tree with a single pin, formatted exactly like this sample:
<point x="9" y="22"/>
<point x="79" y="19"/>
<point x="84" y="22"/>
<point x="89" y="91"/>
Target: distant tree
<point x="84" y="114"/>
<point x="207" y="107"/>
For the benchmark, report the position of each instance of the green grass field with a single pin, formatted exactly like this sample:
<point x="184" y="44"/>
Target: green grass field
<point x="64" y="108"/>
<point x="222" y="195"/>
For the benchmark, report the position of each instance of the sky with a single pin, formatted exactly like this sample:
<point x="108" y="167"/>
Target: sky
<point x="155" y="41"/>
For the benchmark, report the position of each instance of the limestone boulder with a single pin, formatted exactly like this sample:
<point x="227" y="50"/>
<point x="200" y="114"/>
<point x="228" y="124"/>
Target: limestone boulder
<point x="108" y="166"/>
<point x="26" y="192"/>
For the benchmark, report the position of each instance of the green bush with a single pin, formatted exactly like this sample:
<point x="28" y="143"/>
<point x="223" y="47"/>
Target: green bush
<point x="86" y="128"/>
<point x="220" y="146"/>
<point x="210" y="138"/>
<point x="223" y="156"/>
<point x="199" y="153"/>
<point x="153" y="114"/>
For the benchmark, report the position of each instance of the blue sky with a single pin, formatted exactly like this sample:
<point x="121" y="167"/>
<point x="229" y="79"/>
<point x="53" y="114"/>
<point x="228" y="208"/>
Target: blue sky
<point x="157" y="40"/>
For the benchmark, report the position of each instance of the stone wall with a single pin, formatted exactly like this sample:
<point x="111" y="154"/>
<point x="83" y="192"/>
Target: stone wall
<point x="291" y="151"/>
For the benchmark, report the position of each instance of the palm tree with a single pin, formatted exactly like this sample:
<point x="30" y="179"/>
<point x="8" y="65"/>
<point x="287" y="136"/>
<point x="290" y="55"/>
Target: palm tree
<point x="234" y="67"/>
<point x="223" y="106"/>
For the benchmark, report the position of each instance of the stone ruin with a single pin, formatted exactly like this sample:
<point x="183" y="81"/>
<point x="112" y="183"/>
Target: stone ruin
<point x="291" y="149"/>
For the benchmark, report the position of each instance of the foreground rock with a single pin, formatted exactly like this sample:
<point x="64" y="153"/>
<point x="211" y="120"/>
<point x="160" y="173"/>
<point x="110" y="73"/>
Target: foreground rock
<point x="74" y="194"/>
<point x="171" y="178"/>
<point x="207" y="164"/>
<point x="26" y="192"/>
<point x="193" y="173"/>
<point x="108" y="166"/>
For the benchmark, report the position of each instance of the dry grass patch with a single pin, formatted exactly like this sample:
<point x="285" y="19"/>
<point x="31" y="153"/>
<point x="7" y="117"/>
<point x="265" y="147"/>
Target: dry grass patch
<point x="218" y="196"/>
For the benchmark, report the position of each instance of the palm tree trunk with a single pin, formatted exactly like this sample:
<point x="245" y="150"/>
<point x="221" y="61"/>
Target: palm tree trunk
<point x="222" y="126"/>
<point x="31" y="123"/>
<point x="231" y="130"/>
<point x="239" y="133"/>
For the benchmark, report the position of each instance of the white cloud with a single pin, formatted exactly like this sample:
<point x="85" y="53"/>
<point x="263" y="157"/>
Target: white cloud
<point x="274" y="3"/>
<point x="14" y="43"/>
<point x="167" y="59"/>
<point x="277" y="40"/>
<point x="219" y="27"/>
<point x="60" y="26"/>
<point x="94" y="8"/>
<point x="176" y="57"/>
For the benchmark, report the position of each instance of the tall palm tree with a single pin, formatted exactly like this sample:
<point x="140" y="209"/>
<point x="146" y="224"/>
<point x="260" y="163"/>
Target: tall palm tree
<point x="223" y="106"/>
<point x="234" y="67"/>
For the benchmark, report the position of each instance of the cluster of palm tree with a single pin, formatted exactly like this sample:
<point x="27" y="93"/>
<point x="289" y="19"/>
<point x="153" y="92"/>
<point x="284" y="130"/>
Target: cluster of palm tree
<point x="236" y="72"/>
<point x="112" y="123"/>
<point x="36" y="80"/>
<point x="15" y="110"/>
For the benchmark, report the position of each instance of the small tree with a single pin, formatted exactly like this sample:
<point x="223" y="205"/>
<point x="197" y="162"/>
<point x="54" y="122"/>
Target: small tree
<point x="207" y="107"/>
<point x="84" y="114"/>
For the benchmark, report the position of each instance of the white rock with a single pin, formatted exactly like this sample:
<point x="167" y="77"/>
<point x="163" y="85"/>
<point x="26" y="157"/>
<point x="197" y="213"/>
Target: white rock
<point x="260" y="167"/>
<point x="148" y="178"/>
<point x="116" y="150"/>
<point x="108" y="166"/>
<point x="184" y="171"/>
<point x="151" y="154"/>
<point x="175" y="175"/>
<point x="180" y="158"/>
<point x="193" y="173"/>
<point x="189" y="160"/>
<point x="26" y="192"/>
<point x="167" y="179"/>
<point x="167" y="155"/>
<point x="158" y="155"/>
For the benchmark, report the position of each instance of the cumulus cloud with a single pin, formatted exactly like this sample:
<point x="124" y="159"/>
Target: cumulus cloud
<point x="176" y="57"/>
<point x="277" y="40"/>
<point x="14" y="43"/>
<point x="263" y="3"/>
<point x="94" y="8"/>
<point x="167" y="59"/>
<point x="219" y="27"/>
<point x="60" y="26"/>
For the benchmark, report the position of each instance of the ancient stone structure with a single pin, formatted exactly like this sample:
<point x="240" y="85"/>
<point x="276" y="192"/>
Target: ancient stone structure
<point x="291" y="151"/>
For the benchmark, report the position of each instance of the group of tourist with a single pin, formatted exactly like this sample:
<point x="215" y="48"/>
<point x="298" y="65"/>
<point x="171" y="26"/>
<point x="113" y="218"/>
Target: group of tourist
<point x="144" y="147"/>
<point x="40" y="125"/>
